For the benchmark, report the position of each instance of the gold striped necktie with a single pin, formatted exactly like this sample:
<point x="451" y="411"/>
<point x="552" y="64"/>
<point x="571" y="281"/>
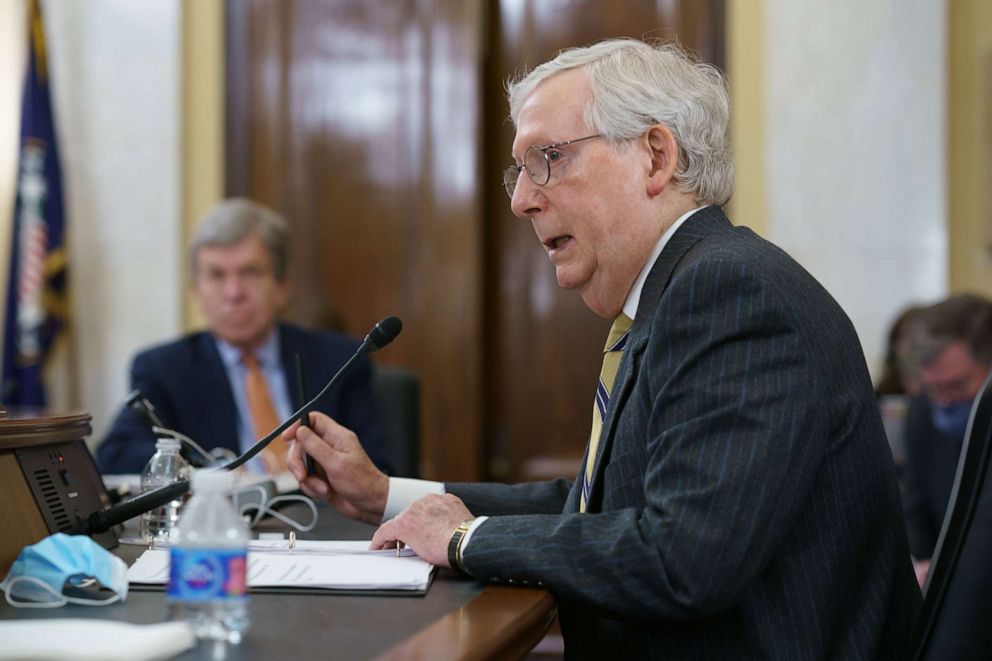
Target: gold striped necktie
<point x="612" y="353"/>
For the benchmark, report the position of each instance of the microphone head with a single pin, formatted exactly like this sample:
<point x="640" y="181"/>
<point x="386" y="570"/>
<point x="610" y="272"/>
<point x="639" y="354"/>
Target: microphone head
<point x="382" y="334"/>
<point x="133" y="398"/>
<point x="137" y="402"/>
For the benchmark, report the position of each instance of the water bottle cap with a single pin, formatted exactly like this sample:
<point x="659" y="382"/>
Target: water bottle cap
<point x="167" y="443"/>
<point x="211" y="479"/>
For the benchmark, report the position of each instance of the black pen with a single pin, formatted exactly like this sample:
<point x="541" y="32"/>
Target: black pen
<point x="301" y="391"/>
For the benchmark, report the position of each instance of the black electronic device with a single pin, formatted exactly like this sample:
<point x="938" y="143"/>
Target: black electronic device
<point x="51" y="483"/>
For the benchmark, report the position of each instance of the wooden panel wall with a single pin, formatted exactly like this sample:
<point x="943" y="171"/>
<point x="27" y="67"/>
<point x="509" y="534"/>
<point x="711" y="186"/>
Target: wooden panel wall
<point x="379" y="128"/>
<point x="359" y="120"/>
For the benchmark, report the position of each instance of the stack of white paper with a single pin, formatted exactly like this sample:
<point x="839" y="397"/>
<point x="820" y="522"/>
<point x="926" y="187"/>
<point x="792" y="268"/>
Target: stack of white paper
<point x="333" y="565"/>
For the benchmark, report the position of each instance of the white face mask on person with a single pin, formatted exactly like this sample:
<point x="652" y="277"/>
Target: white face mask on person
<point x="60" y="570"/>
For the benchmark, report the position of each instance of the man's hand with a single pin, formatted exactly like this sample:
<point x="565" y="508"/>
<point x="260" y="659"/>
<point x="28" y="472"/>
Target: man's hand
<point x="425" y="526"/>
<point x="346" y="477"/>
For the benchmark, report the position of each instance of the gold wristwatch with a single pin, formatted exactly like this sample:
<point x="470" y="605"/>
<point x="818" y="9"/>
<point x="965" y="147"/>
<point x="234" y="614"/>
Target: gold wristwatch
<point x="455" y="545"/>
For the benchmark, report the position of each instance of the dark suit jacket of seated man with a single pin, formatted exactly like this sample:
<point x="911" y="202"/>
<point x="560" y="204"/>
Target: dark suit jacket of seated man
<point x="744" y="504"/>
<point x="186" y="382"/>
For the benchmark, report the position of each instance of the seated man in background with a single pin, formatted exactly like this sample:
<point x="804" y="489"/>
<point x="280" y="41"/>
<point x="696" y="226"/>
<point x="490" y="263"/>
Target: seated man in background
<point x="950" y="354"/>
<point x="231" y="385"/>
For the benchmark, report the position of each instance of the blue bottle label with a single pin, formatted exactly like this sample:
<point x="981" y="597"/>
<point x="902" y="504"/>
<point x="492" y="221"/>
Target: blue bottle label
<point x="207" y="574"/>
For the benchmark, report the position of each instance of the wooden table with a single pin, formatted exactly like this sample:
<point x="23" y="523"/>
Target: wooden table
<point x="457" y="619"/>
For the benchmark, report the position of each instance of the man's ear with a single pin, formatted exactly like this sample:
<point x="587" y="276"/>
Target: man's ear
<point x="664" y="152"/>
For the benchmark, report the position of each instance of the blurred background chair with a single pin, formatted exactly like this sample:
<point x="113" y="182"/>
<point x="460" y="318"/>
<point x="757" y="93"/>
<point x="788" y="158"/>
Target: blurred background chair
<point x="398" y="392"/>
<point x="956" y="619"/>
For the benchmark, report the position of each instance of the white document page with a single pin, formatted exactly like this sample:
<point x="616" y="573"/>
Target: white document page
<point x="309" y="566"/>
<point x="314" y="546"/>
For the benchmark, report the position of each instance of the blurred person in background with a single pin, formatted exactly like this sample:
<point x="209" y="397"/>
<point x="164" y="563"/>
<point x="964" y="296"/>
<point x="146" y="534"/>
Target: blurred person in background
<point x="234" y="383"/>
<point x="897" y="385"/>
<point x="949" y="355"/>
<point x="896" y="379"/>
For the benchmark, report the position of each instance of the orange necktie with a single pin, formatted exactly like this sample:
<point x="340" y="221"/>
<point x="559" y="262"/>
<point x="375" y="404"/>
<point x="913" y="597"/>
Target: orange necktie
<point x="263" y="414"/>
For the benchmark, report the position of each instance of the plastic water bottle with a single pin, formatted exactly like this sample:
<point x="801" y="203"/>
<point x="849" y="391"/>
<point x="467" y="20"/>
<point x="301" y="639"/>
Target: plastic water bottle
<point x="165" y="467"/>
<point x="208" y="573"/>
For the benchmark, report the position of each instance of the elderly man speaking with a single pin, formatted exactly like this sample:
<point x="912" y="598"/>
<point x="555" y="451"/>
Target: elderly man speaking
<point x="738" y="498"/>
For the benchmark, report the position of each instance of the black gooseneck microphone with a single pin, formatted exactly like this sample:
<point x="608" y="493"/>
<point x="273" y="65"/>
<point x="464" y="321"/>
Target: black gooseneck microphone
<point x="138" y="403"/>
<point x="381" y="334"/>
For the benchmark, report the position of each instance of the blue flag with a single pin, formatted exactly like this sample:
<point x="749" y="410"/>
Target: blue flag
<point x="36" y="288"/>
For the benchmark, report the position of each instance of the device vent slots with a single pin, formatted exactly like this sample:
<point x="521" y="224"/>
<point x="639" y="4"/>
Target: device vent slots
<point x="52" y="501"/>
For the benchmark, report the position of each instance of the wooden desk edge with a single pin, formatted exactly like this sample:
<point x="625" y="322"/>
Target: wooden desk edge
<point x="501" y="622"/>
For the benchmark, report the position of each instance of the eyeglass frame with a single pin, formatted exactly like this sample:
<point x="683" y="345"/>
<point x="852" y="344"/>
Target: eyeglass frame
<point x="511" y="174"/>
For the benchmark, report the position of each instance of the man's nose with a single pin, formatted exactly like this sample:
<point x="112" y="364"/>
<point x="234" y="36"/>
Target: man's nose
<point x="232" y="287"/>
<point x="528" y="198"/>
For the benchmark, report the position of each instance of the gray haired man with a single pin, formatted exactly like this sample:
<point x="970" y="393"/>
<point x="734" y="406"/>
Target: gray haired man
<point x="738" y="498"/>
<point x="230" y="385"/>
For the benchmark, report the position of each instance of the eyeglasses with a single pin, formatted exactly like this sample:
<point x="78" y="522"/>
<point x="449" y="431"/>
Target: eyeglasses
<point x="537" y="162"/>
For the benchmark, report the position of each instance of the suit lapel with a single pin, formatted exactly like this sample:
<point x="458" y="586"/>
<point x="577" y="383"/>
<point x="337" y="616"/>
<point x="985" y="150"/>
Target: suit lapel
<point x="699" y="225"/>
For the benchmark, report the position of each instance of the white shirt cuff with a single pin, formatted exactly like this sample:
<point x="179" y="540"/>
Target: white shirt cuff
<point x="471" y="529"/>
<point x="404" y="490"/>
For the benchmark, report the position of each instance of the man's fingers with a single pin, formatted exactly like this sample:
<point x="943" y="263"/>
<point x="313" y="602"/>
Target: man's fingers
<point x="384" y="537"/>
<point x="294" y="460"/>
<point x="290" y="432"/>
<point x="313" y="487"/>
<point x="320" y="422"/>
<point x="328" y="428"/>
<point x="314" y="443"/>
<point x="295" y="454"/>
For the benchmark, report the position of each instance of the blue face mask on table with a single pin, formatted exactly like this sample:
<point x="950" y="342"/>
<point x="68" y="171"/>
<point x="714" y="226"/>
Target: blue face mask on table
<point x="951" y="420"/>
<point x="43" y="570"/>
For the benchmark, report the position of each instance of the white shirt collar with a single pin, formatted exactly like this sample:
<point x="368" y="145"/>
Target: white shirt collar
<point x="267" y="354"/>
<point x="634" y="297"/>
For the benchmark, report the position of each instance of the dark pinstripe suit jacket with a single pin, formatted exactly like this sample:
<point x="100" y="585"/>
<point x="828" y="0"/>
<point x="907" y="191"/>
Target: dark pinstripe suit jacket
<point x="744" y="502"/>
